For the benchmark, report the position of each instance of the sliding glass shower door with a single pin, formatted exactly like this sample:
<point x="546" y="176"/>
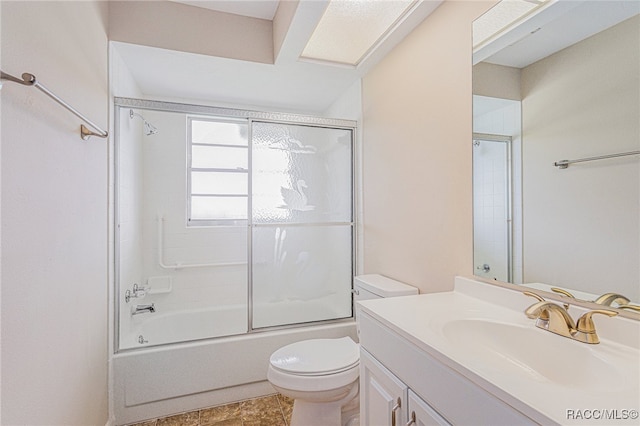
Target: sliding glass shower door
<point x="302" y="224"/>
<point x="227" y="221"/>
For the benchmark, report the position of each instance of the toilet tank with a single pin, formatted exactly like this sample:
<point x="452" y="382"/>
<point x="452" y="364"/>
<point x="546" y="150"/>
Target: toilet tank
<point x="374" y="286"/>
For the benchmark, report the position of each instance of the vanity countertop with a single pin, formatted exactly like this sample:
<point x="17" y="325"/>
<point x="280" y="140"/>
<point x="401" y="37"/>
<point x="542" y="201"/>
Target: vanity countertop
<point x="481" y="332"/>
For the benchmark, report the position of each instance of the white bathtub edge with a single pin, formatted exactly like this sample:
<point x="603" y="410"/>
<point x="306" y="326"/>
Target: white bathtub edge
<point x="162" y="381"/>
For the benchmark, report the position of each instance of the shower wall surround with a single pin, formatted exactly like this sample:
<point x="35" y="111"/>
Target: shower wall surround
<point x="494" y="245"/>
<point x="301" y="240"/>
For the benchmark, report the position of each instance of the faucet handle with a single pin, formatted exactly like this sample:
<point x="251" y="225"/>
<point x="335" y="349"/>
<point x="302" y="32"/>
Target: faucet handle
<point x="534" y="295"/>
<point x="564" y="293"/>
<point x="534" y="311"/>
<point x="631" y="307"/>
<point x="586" y="329"/>
<point x="609" y="298"/>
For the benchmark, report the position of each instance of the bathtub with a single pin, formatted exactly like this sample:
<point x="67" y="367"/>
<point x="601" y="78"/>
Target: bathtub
<point x="183" y="326"/>
<point x="156" y="381"/>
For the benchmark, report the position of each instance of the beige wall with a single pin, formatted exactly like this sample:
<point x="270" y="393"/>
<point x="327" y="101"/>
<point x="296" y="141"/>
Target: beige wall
<point x="581" y="225"/>
<point x="162" y="24"/>
<point x="417" y="153"/>
<point x="496" y="81"/>
<point x="54" y="216"/>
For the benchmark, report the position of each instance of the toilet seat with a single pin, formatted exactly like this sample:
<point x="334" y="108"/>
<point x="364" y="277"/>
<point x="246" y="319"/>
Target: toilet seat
<point x="317" y="357"/>
<point x="315" y="365"/>
<point x="319" y="383"/>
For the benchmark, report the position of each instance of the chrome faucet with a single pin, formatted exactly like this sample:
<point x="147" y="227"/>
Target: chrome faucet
<point x="556" y="319"/>
<point x="140" y="309"/>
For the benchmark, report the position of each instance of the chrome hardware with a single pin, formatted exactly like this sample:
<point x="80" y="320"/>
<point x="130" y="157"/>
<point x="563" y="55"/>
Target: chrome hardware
<point x="412" y="419"/>
<point x="556" y="319"/>
<point x="563" y="164"/>
<point x="393" y="411"/>
<point x="29" y="79"/>
<point x="136" y="293"/>
<point x="355" y="291"/>
<point x="484" y="268"/>
<point x="141" y="340"/>
<point x="140" y="309"/>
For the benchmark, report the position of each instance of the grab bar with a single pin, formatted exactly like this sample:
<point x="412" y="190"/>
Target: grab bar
<point x="563" y="164"/>
<point x="30" y="80"/>
<point x="178" y="265"/>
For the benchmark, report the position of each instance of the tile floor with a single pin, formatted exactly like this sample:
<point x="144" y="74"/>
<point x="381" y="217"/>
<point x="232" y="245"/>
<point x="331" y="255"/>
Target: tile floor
<point x="271" y="410"/>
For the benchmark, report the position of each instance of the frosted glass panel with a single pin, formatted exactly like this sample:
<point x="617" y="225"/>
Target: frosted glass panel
<point x="301" y="173"/>
<point x="301" y="274"/>
<point x="219" y="183"/>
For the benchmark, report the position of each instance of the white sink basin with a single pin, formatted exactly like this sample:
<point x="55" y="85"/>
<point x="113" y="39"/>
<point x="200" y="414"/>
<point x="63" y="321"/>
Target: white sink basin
<point x="481" y="332"/>
<point x="537" y="354"/>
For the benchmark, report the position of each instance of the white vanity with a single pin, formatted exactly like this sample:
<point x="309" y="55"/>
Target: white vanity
<point x="472" y="357"/>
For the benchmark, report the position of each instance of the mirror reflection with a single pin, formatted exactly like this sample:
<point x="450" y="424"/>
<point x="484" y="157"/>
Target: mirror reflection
<point x="556" y="82"/>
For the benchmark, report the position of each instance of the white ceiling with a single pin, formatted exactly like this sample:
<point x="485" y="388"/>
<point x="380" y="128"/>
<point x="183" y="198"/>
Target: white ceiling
<point x="289" y="85"/>
<point x="561" y="25"/>
<point x="293" y="87"/>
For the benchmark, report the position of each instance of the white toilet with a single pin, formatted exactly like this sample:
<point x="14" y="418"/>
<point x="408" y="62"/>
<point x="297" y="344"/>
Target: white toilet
<point x="322" y="374"/>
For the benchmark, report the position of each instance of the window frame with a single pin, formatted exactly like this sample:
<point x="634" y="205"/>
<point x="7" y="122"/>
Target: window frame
<point x="193" y="223"/>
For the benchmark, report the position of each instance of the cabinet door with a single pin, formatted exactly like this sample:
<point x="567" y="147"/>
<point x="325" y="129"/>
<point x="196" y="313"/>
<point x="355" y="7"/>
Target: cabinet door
<point x="421" y="413"/>
<point x="382" y="396"/>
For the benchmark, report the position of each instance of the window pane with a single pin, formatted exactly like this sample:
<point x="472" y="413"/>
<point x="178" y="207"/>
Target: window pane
<point x="219" y="183"/>
<point x="211" y="208"/>
<point x="219" y="157"/>
<point x="214" y="132"/>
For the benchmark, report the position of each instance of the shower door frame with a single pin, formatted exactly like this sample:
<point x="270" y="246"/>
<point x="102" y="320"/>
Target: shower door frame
<point x="508" y="140"/>
<point x="250" y="116"/>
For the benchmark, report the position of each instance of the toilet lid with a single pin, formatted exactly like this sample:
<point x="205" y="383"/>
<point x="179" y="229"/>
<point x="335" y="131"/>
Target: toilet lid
<point x="317" y="356"/>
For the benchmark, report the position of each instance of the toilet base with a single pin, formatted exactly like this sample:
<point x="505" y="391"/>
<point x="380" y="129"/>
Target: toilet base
<point x="336" y="413"/>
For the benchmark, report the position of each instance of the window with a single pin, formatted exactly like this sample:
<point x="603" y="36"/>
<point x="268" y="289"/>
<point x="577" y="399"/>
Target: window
<point x="218" y="171"/>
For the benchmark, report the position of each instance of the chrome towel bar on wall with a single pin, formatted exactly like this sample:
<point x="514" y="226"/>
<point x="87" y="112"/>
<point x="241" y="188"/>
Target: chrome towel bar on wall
<point x="30" y="80"/>
<point x="563" y="164"/>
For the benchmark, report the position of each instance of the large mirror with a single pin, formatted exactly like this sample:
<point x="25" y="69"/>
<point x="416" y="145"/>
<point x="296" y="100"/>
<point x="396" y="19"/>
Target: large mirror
<point x="556" y="122"/>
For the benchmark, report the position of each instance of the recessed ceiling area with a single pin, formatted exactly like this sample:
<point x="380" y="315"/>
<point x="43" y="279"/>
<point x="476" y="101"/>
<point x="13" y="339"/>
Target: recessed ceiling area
<point x="293" y="87"/>
<point x="287" y="84"/>
<point x="556" y="26"/>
